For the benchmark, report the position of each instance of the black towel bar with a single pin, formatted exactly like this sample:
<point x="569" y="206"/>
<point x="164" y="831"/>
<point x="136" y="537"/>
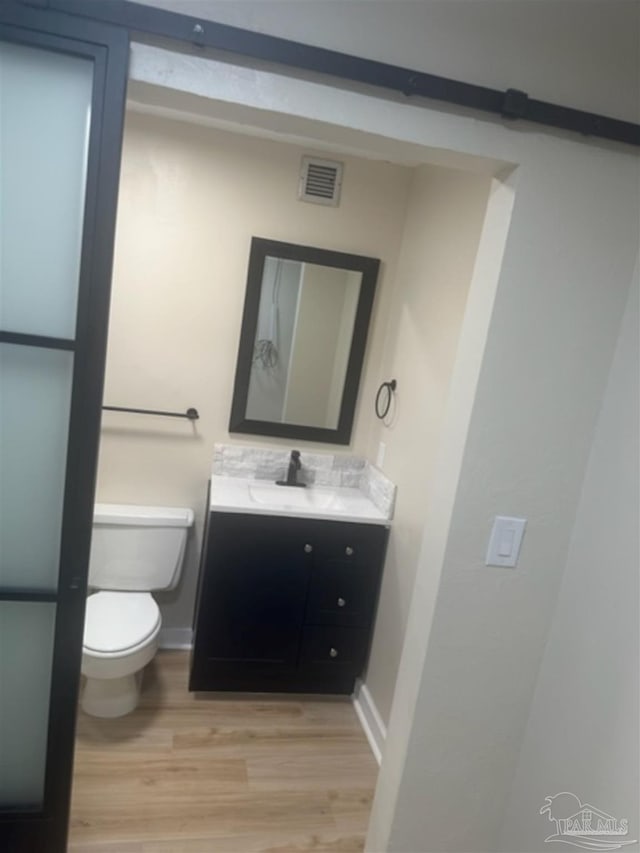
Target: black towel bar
<point x="191" y="413"/>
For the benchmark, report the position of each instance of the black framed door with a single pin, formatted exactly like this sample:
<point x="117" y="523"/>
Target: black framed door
<point x="62" y="96"/>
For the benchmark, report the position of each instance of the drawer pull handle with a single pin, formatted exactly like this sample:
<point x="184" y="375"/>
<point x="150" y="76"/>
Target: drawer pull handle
<point x="348" y="551"/>
<point x="333" y="653"/>
<point x="341" y="602"/>
<point x="308" y="549"/>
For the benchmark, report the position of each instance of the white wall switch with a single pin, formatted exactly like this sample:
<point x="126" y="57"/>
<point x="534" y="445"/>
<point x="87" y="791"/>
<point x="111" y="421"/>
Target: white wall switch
<point x="382" y="449"/>
<point x="505" y="541"/>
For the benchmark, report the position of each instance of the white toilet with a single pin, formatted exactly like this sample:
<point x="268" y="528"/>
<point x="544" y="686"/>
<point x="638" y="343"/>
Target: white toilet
<point x="134" y="549"/>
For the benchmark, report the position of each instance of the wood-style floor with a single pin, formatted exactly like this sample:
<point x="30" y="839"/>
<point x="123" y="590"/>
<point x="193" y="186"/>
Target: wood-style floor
<point x="203" y="774"/>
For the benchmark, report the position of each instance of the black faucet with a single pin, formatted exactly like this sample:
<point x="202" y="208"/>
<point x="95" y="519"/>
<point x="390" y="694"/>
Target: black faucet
<point x="294" y="466"/>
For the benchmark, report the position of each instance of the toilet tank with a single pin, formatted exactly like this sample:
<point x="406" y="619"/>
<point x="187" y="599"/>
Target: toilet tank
<point x="137" y="548"/>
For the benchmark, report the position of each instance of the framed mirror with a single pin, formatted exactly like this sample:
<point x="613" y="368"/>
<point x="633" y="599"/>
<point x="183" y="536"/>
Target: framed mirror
<point x="302" y="342"/>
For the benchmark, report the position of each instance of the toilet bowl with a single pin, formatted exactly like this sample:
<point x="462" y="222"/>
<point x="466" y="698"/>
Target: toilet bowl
<point x="134" y="549"/>
<point x="120" y="638"/>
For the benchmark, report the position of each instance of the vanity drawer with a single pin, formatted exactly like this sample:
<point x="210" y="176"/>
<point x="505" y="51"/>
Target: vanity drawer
<point x="341" y="594"/>
<point x="360" y="545"/>
<point x="334" y="646"/>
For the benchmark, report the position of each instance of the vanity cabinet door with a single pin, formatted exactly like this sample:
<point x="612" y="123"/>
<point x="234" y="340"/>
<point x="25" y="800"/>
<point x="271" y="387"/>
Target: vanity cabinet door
<point x="334" y="648"/>
<point x="341" y="594"/>
<point x="253" y="593"/>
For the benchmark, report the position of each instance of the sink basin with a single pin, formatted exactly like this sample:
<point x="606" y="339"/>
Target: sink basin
<point x="263" y="497"/>
<point x="268" y="494"/>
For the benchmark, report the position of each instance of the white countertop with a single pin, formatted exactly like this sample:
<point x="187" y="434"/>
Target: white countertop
<point x="262" y="497"/>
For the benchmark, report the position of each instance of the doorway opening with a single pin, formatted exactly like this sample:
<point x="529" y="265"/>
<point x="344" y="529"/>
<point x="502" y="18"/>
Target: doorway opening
<point x="196" y="185"/>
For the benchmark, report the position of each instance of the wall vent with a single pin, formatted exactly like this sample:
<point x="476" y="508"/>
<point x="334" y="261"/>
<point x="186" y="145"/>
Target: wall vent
<point x="320" y="181"/>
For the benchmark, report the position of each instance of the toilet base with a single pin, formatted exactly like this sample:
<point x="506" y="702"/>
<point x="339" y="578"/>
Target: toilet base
<point x="111" y="697"/>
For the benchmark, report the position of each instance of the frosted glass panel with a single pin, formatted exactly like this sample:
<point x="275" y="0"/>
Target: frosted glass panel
<point x="26" y="650"/>
<point x="35" y="394"/>
<point x="45" y="105"/>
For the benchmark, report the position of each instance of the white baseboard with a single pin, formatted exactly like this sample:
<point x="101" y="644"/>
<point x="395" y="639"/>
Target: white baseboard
<point x="370" y="719"/>
<point x="175" y="638"/>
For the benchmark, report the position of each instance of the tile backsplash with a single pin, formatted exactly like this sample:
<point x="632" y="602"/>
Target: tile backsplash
<point x="319" y="469"/>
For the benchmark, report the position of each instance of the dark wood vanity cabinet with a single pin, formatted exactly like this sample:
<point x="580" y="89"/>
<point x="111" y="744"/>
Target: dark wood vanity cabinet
<point x="285" y="604"/>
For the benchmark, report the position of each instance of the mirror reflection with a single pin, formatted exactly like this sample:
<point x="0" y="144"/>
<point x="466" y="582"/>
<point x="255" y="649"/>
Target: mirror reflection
<point x="302" y="342"/>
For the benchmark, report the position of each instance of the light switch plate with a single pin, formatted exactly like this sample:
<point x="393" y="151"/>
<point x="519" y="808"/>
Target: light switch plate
<point x="382" y="449"/>
<point x="505" y="541"/>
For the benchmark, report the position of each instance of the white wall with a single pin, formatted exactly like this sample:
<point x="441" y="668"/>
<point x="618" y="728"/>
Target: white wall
<point x="578" y="53"/>
<point x="582" y="734"/>
<point x="548" y="349"/>
<point x="191" y="199"/>
<point x="444" y="220"/>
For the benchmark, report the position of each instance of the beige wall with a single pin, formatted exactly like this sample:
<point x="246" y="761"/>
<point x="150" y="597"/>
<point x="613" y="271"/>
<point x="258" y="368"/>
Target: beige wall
<point x="190" y="200"/>
<point x="444" y="220"/>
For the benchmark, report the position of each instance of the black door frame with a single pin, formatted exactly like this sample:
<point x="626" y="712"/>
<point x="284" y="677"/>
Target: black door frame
<point x="45" y="829"/>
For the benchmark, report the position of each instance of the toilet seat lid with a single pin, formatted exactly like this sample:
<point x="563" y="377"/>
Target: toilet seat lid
<point x="117" y="621"/>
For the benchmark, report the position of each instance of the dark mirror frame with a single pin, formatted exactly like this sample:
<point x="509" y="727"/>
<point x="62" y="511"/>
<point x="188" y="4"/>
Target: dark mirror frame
<point x="262" y="248"/>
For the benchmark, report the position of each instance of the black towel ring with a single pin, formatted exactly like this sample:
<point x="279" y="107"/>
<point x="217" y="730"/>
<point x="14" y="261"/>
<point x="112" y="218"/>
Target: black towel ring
<point x="383" y="410"/>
